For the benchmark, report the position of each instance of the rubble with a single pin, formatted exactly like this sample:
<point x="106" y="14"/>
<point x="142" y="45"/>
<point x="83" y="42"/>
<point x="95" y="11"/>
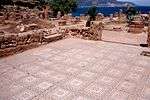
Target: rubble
<point x="88" y="33"/>
<point x="83" y="17"/>
<point x="36" y="37"/>
<point x="137" y="25"/>
<point x="99" y="17"/>
<point x="148" y="38"/>
<point x="23" y="28"/>
<point x="62" y="22"/>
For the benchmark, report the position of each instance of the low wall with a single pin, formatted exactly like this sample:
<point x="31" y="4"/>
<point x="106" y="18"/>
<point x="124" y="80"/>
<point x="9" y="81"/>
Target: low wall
<point x="13" y="40"/>
<point x="14" y="43"/>
<point x="148" y="38"/>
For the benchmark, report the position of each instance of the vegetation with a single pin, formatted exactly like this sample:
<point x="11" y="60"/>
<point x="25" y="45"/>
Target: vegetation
<point x="131" y="12"/>
<point x="64" y="6"/>
<point x="92" y="13"/>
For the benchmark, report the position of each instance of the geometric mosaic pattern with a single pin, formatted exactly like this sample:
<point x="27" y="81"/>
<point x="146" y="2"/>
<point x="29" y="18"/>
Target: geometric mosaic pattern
<point x="75" y="69"/>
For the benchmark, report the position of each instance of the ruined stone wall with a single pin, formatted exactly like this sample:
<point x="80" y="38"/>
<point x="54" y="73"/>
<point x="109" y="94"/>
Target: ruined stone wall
<point x="14" y="40"/>
<point x="148" y="38"/>
<point x="14" y="43"/>
<point x="88" y="33"/>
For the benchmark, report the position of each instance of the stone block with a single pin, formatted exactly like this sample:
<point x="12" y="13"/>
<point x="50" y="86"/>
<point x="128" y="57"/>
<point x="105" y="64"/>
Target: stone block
<point x="135" y="30"/>
<point x="148" y="38"/>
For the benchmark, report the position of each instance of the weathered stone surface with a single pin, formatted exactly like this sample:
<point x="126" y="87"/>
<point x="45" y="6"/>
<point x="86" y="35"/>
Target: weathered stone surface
<point x="51" y="75"/>
<point x="96" y="28"/>
<point x="136" y="27"/>
<point x="89" y="33"/>
<point x="99" y="17"/>
<point x="83" y="17"/>
<point x="148" y="38"/>
<point x="62" y="22"/>
<point x="25" y="39"/>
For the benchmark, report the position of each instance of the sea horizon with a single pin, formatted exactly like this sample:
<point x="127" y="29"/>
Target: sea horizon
<point x="107" y="10"/>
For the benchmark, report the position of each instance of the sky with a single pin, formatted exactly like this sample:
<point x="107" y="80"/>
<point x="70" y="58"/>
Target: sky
<point x="139" y="2"/>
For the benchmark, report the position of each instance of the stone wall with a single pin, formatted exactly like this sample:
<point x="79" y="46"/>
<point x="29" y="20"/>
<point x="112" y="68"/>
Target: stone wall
<point x="136" y="27"/>
<point x="14" y="43"/>
<point x="148" y="38"/>
<point x="96" y="29"/>
<point x="88" y="33"/>
<point x="13" y="40"/>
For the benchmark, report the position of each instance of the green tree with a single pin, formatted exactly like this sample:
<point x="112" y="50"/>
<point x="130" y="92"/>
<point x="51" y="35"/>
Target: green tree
<point x="131" y="12"/>
<point x="64" y="6"/>
<point x="92" y="13"/>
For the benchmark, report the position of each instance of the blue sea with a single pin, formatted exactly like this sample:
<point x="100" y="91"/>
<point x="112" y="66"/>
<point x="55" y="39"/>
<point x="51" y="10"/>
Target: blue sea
<point x="109" y="10"/>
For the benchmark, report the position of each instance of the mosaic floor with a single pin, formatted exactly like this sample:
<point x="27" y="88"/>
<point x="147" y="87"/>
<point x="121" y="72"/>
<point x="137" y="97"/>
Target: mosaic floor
<point x="124" y="37"/>
<point x="75" y="69"/>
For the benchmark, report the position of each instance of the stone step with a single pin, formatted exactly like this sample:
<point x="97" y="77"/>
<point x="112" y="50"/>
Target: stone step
<point x="53" y="37"/>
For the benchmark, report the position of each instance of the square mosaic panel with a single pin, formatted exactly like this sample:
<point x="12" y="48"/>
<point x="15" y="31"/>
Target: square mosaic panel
<point x="31" y="69"/>
<point x="146" y="93"/>
<point x="128" y="87"/>
<point x="5" y="69"/>
<point x="79" y="56"/>
<point x="106" y="63"/>
<point x="28" y="81"/>
<point x="122" y="66"/>
<point x="118" y="73"/>
<point x="96" y="90"/>
<point x="118" y="95"/>
<point x="75" y="84"/>
<point x="4" y="81"/>
<point x="87" y="75"/>
<point x="44" y="74"/>
<point x="90" y="59"/>
<point x="82" y="64"/>
<point x="60" y="94"/>
<point x="112" y="57"/>
<point x="70" y="61"/>
<point x="41" y="86"/>
<point x="46" y="56"/>
<point x="142" y="63"/>
<point x="25" y="95"/>
<point x="59" y="67"/>
<point x="107" y="80"/>
<point x="72" y="71"/>
<point x="98" y="68"/>
<point x="10" y="90"/>
<point x="57" y="77"/>
<point x="58" y="58"/>
<point x="140" y="70"/>
<point x="45" y="63"/>
<point x="135" y="77"/>
<point x="14" y="75"/>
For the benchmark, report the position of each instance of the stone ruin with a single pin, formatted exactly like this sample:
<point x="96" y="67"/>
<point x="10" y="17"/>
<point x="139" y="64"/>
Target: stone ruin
<point x="26" y="39"/>
<point x="99" y="17"/>
<point x="22" y="28"/>
<point x="19" y="29"/>
<point x="68" y="20"/>
<point x="96" y="31"/>
<point x="88" y="33"/>
<point x="136" y="26"/>
<point x="148" y="38"/>
<point x="84" y="17"/>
